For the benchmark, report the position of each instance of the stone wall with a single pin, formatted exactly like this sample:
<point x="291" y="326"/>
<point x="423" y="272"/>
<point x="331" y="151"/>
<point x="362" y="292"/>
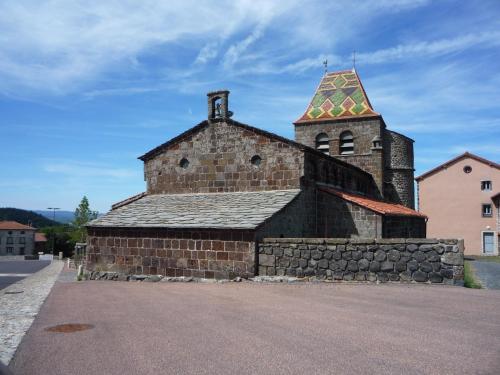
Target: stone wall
<point x="399" y="164"/>
<point x="220" y="160"/>
<point x="401" y="260"/>
<point x="338" y="218"/>
<point x="339" y="173"/>
<point x="201" y="253"/>
<point x="404" y="227"/>
<point x="363" y="131"/>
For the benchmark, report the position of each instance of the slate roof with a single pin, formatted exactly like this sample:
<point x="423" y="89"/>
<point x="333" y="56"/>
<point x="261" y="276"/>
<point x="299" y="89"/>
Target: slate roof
<point x="465" y="155"/>
<point x="14" y="225"/>
<point x="383" y="208"/>
<point x="339" y="95"/>
<point x="242" y="210"/>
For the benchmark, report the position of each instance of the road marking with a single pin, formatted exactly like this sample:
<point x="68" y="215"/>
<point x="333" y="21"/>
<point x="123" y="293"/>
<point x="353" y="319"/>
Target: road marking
<point x="15" y="274"/>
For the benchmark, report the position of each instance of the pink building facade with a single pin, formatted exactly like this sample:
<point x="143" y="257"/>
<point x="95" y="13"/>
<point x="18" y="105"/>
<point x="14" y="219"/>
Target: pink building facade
<point x="461" y="199"/>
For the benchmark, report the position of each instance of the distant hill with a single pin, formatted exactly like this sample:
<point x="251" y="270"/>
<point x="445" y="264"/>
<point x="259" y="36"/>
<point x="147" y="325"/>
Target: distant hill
<point x="65" y="217"/>
<point x="26" y="217"/>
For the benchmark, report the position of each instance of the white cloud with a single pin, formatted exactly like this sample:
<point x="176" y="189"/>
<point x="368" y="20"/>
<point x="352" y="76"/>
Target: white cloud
<point x="207" y="53"/>
<point x="58" y="45"/>
<point x="430" y="48"/>
<point x="64" y="46"/>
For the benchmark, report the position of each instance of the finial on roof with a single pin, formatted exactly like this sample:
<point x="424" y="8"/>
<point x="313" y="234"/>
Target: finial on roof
<point x="354" y="60"/>
<point x="325" y="63"/>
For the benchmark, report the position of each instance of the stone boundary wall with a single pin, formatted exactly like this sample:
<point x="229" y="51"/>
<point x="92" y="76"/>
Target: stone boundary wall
<point x="219" y="254"/>
<point x="401" y="260"/>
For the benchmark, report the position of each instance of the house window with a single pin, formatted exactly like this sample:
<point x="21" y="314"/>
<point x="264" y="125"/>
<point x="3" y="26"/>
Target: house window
<point x="486" y="185"/>
<point x="487" y="210"/>
<point x="10" y="240"/>
<point x="323" y="143"/>
<point x="10" y="250"/>
<point x="184" y="163"/>
<point x="346" y="143"/>
<point x="21" y="250"/>
<point x="467" y="169"/>
<point x="22" y="240"/>
<point x="10" y="232"/>
<point x="22" y="232"/>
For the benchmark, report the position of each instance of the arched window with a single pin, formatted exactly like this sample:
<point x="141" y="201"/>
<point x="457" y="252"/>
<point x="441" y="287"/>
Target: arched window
<point x="323" y="143"/>
<point x="346" y="143"/>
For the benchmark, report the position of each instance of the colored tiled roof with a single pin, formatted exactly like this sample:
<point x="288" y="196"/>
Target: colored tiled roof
<point x="339" y="95"/>
<point x="383" y="208"/>
<point x="40" y="237"/>
<point x="14" y="225"/>
<point x="457" y="159"/>
<point x="242" y="210"/>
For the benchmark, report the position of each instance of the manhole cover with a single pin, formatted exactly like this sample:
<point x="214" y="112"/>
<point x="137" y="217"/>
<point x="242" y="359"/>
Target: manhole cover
<point x="69" y="328"/>
<point x="15" y="292"/>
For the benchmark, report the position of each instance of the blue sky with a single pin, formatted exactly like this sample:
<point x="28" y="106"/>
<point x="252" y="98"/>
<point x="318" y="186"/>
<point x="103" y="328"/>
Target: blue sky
<point x="88" y="86"/>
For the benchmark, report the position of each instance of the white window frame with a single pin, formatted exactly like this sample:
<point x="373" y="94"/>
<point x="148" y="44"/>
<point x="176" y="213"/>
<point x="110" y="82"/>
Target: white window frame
<point x="491" y="210"/>
<point x="495" y="242"/>
<point x="486" y="188"/>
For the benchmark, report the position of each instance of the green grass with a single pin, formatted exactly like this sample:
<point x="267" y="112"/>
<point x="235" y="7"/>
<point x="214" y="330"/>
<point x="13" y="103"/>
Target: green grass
<point x="470" y="280"/>
<point x="495" y="259"/>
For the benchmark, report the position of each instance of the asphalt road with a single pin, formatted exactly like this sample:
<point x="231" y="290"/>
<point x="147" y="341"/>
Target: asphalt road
<point x="14" y="271"/>
<point x="488" y="273"/>
<point x="246" y="328"/>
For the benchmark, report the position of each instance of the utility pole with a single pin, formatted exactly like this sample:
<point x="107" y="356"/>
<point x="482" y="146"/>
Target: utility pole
<point x="54" y="232"/>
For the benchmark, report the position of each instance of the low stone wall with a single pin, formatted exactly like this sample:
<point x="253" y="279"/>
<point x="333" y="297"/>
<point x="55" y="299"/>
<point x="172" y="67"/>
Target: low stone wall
<point x="401" y="260"/>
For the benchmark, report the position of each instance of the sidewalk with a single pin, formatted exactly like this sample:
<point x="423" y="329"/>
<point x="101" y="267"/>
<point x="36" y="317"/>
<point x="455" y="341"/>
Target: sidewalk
<point x="19" y="305"/>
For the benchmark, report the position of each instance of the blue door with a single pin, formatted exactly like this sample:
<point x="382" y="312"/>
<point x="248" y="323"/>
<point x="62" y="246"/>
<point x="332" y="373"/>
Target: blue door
<point x="488" y="242"/>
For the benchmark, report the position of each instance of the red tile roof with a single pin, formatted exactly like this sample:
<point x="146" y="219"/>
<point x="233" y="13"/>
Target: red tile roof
<point x="454" y="160"/>
<point x="384" y="208"/>
<point x="40" y="237"/>
<point x="14" y="225"/>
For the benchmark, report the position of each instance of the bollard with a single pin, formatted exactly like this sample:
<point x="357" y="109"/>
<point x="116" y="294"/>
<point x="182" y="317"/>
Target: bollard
<point x="80" y="270"/>
<point x="68" y="262"/>
<point x="60" y="255"/>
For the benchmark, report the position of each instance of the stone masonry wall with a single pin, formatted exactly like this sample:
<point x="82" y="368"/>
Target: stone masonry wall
<point x="219" y="157"/>
<point x="401" y="260"/>
<point x="199" y="253"/>
<point x="338" y="218"/>
<point x="363" y="131"/>
<point x="399" y="165"/>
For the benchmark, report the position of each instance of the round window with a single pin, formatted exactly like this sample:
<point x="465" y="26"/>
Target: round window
<point x="256" y="160"/>
<point x="184" y="163"/>
<point x="467" y="169"/>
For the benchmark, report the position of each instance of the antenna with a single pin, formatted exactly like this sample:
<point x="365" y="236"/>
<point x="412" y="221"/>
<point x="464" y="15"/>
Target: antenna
<point x="325" y="64"/>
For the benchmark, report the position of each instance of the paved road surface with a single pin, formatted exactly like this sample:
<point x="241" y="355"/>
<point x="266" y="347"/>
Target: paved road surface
<point x="488" y="273"/>
<point x="245" y="328"/>
<point x="12" y="271"/>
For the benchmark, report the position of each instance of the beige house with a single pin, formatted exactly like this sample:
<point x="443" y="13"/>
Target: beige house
<point x="461" y="198"/>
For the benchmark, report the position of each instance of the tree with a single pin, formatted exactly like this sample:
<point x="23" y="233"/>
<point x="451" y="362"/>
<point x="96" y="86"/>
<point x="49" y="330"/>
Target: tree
<point x="83" y="215"/>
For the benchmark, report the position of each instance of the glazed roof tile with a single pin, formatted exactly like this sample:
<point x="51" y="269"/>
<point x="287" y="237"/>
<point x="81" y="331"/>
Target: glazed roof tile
<point x="383" y="208"/>
<point x="339" y="95"/>
<point x="241" y="210"/>
<point x="14" y="225"/>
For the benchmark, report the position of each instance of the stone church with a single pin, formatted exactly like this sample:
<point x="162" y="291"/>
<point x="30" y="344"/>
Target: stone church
<point x="216" y="190"/>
